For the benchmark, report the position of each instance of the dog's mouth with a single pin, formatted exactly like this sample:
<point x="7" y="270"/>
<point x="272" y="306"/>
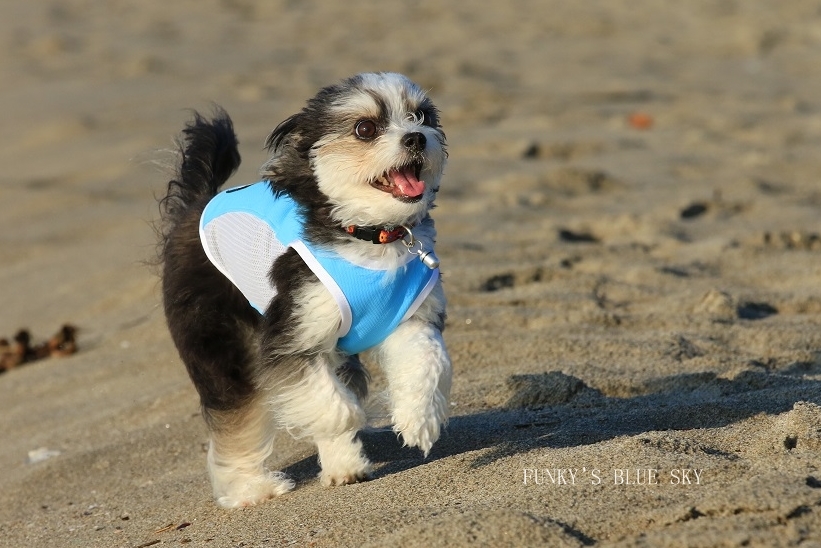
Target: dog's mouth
<point x="402" y="183"/>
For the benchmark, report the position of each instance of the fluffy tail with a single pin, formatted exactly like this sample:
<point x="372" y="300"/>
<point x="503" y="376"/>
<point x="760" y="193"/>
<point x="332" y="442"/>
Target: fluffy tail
<point x="209" y="155"/>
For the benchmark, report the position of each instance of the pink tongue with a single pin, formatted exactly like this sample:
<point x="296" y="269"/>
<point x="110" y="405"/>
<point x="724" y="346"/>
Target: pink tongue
<point x="406" y="182"/>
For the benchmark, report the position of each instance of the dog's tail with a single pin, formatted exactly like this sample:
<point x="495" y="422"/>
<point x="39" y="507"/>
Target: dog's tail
<point x="208" y="156"/>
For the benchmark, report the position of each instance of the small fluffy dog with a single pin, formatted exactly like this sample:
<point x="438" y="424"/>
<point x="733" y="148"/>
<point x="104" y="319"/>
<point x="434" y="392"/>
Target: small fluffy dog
<point x="272" y="290"/>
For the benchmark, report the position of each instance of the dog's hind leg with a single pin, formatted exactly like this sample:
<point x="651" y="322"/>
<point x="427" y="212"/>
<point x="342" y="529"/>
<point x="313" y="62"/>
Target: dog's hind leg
<point x="214" y="330"/>
<point x="317" y="404"/>
<point x="241" y="440"/>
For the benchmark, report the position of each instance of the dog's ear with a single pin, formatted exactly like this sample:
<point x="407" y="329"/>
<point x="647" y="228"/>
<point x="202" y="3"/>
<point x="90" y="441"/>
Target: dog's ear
<point x="289" y="150"/>
<point x="283" y="133"/>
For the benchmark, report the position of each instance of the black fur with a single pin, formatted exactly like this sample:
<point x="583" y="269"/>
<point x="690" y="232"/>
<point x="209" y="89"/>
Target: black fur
<point x="209" y="155"/>
<point x="290" y="143"/>
<point x="208" y="317"/>
<point x="255" y="370"/>
<point x="289" y="170"/>
<point x="218" y="334"/>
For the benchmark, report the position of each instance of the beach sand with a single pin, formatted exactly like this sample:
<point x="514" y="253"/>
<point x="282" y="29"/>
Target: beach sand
<point x="629" y="235"/>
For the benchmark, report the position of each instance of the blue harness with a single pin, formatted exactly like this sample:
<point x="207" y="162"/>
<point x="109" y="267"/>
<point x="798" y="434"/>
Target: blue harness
<point x="243" y="231"/>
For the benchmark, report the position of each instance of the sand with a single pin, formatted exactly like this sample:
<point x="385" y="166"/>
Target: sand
<point x="629" y="238"/>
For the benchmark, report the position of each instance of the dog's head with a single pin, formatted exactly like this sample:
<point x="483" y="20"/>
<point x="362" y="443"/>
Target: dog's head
<point x="371" y="147"/>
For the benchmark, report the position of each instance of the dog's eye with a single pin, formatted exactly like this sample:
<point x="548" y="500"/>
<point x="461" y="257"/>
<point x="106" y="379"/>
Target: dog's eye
<point x="365" y="129"/>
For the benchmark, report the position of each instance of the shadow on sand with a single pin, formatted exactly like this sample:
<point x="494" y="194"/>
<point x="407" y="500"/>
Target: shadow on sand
<point x="532" y="418"/>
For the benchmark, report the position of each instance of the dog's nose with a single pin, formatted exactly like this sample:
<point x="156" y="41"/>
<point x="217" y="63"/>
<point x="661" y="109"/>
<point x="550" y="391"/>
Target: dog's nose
<point x="414" y="141"/>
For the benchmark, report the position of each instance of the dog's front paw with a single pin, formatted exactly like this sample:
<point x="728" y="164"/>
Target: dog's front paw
<point x="421" y="429"/>
<point x="253" y="490"/>
<point x="345" y="477"/>
<point x="342" y="460"/>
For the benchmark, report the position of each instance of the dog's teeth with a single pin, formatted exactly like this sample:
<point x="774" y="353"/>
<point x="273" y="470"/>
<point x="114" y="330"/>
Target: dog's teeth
<point x="384" y="181"/>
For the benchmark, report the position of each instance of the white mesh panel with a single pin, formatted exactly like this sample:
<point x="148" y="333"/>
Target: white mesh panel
<point x="244" y="248"/>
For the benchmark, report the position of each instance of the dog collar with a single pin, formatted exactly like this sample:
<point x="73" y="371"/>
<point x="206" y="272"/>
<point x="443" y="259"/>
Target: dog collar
<point x="377" y="235"/>
<point x="387" y="235"/>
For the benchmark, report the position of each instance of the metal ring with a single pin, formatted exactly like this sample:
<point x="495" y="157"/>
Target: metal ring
<point x="413" y="242"/>
<point x="415" y="252"/>
<point x="409" y="233"/>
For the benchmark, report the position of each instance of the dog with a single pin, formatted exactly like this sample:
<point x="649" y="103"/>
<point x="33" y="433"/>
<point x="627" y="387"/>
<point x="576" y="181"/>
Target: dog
<point x="273" y="290"/>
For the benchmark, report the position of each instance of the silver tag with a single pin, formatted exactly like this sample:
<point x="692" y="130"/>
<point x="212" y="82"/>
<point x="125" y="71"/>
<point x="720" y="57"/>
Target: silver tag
<point x="428" y="258"/>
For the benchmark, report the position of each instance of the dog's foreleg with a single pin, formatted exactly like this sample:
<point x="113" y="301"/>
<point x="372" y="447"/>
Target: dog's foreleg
<point x="418" y="370"/>
<point x="319" y="405"/>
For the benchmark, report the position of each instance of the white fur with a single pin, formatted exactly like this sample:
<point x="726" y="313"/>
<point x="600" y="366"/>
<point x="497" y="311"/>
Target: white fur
<point x="343" y="177"/>
<point x="342" y="459"/>
<point x="358" y="204"/>
<point x="236" y="461"/>
<point x="313" y="402"/>
<point x="321" y="407"/>
<point x="243" y="481"/>
<point x="418" y="369"/>
<point x="414" y="358"/>
<point x="318" y="405"/>
<point x="319" y="318"/>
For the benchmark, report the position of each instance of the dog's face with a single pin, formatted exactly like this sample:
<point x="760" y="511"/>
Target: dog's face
<point x="372" y="145"/>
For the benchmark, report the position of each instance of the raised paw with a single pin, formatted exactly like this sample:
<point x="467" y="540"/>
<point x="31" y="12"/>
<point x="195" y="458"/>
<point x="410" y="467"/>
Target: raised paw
<point x="420" y="429"/>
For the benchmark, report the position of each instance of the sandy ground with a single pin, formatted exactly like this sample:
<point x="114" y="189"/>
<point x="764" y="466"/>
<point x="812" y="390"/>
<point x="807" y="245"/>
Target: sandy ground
<point x="634" y="307"/>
